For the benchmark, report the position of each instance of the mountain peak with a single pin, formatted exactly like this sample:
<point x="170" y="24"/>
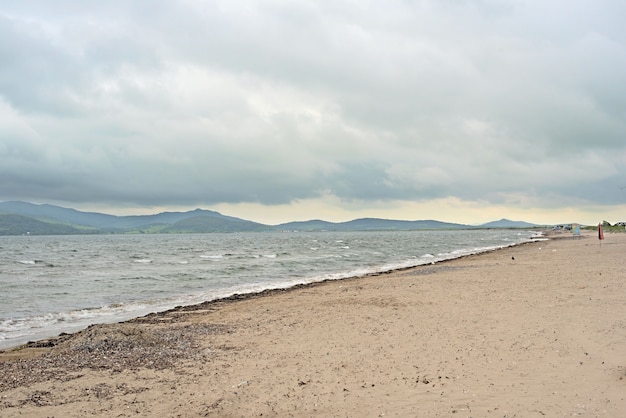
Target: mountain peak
<point x="507" y="223"/>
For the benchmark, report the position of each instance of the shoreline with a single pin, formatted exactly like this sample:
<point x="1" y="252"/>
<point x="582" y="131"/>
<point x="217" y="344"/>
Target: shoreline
<point x="43" y="338"/>
<point x="62" y="336"/>
<point x="530" y="330"/>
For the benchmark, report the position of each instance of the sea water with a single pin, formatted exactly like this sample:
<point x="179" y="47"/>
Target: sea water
<point x="55" y="284"/>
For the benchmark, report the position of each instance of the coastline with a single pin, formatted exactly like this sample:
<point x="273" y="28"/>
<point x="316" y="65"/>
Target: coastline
<point x="533" y="329"/>
<point x="81" y="309"/>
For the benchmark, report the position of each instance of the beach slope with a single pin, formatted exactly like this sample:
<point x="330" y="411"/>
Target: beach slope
<point x="532" y="330"/>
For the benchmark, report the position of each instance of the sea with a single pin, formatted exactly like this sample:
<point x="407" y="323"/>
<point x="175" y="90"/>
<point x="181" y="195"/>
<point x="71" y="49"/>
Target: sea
<point x="61" y="284"/>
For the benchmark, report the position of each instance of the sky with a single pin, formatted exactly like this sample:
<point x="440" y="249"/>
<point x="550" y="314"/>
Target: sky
<point x="285" y="110"/>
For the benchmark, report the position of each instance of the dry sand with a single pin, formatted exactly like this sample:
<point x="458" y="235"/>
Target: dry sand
<point x="529" y="331"/>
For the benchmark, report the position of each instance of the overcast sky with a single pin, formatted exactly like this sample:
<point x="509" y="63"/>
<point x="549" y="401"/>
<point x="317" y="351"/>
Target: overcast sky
<point x="279" y="110"/>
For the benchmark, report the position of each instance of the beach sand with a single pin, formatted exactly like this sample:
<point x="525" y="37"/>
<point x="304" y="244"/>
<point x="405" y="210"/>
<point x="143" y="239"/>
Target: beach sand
<point x="528" y="331"/>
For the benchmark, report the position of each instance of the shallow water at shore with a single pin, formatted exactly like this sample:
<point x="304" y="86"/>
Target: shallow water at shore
<point x="64" y="283"/>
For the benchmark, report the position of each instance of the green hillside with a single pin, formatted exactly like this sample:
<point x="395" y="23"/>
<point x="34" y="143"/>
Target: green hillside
<point x="203" y="224"/>
<point x="22" y="225"/>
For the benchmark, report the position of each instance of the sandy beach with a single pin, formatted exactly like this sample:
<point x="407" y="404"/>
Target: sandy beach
<point x="528" y="331"/>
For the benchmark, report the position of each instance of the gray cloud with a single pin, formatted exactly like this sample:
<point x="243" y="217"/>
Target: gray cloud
<point x="199" y="103"/>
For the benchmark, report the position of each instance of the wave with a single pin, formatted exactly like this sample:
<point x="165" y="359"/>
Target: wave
<point x="35" y="263"/>
<point x="233" y="272"/>
<point x="15" y="331"/>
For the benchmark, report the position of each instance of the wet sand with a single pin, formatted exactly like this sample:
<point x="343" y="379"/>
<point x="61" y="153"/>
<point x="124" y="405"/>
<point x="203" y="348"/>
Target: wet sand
<point x="533" y="330"/>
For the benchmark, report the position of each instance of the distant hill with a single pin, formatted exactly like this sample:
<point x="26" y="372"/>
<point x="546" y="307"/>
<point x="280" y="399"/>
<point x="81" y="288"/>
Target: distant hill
<point x="368" y="224"/>
<point x="372" y="224"/>
<point x="505" y="223"/>
<point x="58" y="214"/>
<point x="11" y="224"/>
<point x="203" y="224"/>
<point x="312" y="225"/>
<point x="99" y="220"/>
<point x="161" y="222"/>
<point x="18" y="218"/>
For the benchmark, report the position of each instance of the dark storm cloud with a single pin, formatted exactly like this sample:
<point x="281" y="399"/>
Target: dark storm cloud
<point x="189" y="102"/>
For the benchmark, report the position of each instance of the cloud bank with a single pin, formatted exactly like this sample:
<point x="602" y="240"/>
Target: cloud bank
<point x="515" y="103"/>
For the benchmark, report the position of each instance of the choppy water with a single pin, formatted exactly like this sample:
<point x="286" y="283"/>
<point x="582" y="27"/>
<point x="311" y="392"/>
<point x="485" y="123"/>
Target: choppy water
<point x="50" y="285"/>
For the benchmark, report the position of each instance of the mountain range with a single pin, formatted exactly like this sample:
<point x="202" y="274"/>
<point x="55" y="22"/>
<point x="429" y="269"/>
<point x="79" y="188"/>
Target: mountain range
<point x="23" y="218"/>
